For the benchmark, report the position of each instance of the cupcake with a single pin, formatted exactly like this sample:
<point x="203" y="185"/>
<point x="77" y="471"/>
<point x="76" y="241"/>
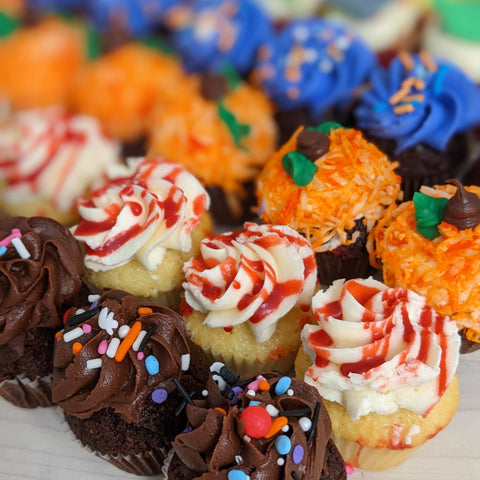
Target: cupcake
<point x="418" y="111"/>
<point x="121" y="87"/>
<point x="141" y="226"/>
<point x="452" y="33"/>
<point x="123" y="371"/>
<point x="310" y="70"/>
<point x="306" y="183"/>
<point x="384" y="363"/>
<point x="431" y="245"/>
<point x="39" y="63"/>
<point x="40" y="274"/>
<point x="223" y="131"/>
<point x="269" y="426"/>
<point x="247" y="296"/>
<point x="212" y="34"/>
<point x="48" y="158"/>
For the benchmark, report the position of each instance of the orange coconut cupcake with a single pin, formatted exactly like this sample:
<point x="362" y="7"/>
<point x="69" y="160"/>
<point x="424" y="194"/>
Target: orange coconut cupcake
<point x="52" y="51"/>
<point x="223" y="131"/>
<point x="121" y="87"/>
<point x="333" y="186"/>
<point x="431" y="245"/>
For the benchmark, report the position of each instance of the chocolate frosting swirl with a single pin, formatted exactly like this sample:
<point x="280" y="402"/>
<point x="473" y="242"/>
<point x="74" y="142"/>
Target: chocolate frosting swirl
<point x="122" y="384"/>
<point x="216" y="443"/>
<point x="34" y="290"/>
<point x="463" y="209"/>
<point x="313" y="144"/>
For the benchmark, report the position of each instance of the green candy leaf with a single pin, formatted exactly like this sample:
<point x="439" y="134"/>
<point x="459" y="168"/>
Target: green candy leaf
<point x="94" y="49"/>
<point x="299" y="167"/>
<point x="326" y="127"/>
<point x="428" y="214"/>
<point x="156" y="44"/>
<point x="231" y="76"/>
<point x="238" y="130"/>
<point x="8" y="24"/>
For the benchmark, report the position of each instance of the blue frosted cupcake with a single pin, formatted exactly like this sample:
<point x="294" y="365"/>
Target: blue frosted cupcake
<point x="212" y="34"/>
<point x="417" y="111"/>
<point x="310" y="67"/>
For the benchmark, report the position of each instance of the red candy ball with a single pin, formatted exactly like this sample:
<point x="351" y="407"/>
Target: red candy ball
<point x="257" y="421"/>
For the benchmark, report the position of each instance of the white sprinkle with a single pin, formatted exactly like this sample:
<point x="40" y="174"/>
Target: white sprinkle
<point x="94" y="363"/>
<point x="280" y="461"/>
<point x="216" y="366"/>
<point x="251" y="392"/>
<point x="414" y="430"/>
<point x="300" y="34"/>
<point x="285" y="428"/>
<point x="222" y="384"/>
<point x="112" y="347"/>
<point x="238" y="459"/>
<point x="325" y="66"/>
<point x="123" y="331"/>
<point x="93" y="298"/>
<point x="290" y="392"/>
<point x="272" y="410"/>
<point x="311" y="55"/>
<point x="305" y="424"/>
<point x="138" y="340"/>
<point x="185" y="362"/>
<point x="73" y="334"/>
<point x="342" y="42"/>
<point x="247" y="439"/>
<point x="20" y="248"/>
<point x="204" y="393"/>
<point x="106" y="321"/>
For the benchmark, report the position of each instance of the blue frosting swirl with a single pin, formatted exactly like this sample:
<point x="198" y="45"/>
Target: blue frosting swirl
<point x="136" y="17"/>
<point x="443" y="101"/>
<point x="314" y="63"/>
<point x="216" y="33"/>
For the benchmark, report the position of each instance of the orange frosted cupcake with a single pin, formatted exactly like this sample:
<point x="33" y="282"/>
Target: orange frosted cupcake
<point x="223" y="131"/>
<point x="331" y="185"/>
<point x="40" y="62"/>
<point x="431" y="245"/>
<point x="121" y="88"/>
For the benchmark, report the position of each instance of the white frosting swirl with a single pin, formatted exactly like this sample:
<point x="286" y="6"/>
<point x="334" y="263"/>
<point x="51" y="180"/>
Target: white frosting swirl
<point x="378" y="349"/>
<point x="147" y="207"/>
<point x="51" y="154"/>
<point x="257" y="275"/>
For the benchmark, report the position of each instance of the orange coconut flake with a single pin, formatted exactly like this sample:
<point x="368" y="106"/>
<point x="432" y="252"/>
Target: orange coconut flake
<point x="446" y="270"/>
<point x="354" y="180"/>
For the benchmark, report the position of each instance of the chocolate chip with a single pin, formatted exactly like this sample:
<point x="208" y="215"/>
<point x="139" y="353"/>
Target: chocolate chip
<point x="312" y="144"/>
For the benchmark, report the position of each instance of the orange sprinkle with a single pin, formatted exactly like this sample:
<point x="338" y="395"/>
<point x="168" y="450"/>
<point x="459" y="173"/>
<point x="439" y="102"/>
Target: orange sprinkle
<point x="419" y="84"/>
<point x="144" y="310"/>
<point x="220" y="409"/>
<point x="263" y="385"/>
<point x="414" y="98"/>
<point x="58" y="335"/>
<point x="277" y="425"/>
<point x="406" y="60"/>
<point x="401" y="109"/>
<point x="399" y="96"/>
<point x="428" y="61"/>
<point x="127" y="342"/>
<point x="76" y="347"/>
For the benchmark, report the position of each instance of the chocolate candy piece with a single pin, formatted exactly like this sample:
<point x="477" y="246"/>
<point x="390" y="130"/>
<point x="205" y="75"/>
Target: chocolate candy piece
<point x="313" y="144"/>
<point x="463" y="209"/>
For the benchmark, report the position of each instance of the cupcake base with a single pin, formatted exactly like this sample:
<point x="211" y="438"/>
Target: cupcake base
<point x="26" y="393"/>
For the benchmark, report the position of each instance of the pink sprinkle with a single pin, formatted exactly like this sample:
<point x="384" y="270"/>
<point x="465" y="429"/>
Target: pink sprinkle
<point x="253" y="385"/>
<point x="140" y="355"/>
<point x="87" y="328"/>
<point x="349" y="469"/>
<point x="102" y="347"/>
<point x="16" y="233"/>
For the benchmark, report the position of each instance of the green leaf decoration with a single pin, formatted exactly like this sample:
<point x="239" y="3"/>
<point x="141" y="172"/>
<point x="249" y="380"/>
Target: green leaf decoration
<point x="231" y="76"/>
<point x="299" y="167"/>
<point x="326" y="127"/>
<point x="238" y="130"/>
<point x="8" y="24"/>
<point x="157" y="44"/>
<point x="94" y="49"/>
<point x="428" y="214"/>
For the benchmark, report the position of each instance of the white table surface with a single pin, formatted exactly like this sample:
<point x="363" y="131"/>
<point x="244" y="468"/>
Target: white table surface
<point x="36" y="444"/>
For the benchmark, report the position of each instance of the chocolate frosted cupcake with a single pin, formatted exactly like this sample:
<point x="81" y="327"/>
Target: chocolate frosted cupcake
<point x="40" y="275"/>
<point x="332" y="186"/>
<point x="122" y="373"/>
<point x="270" y="426"/>
<point x="417" y="111"/>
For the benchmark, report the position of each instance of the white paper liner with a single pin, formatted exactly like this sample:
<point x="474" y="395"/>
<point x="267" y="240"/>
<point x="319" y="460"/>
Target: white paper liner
<point x="26" y="393"/>
<point x="166" y="464"/>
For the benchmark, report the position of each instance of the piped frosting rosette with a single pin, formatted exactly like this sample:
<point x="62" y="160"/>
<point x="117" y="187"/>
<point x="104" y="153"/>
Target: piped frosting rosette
<point x="379" y="349"/>
<point x="147" y="207"/>
<point x="257" y="275"/>
<point x="48" y="153"/>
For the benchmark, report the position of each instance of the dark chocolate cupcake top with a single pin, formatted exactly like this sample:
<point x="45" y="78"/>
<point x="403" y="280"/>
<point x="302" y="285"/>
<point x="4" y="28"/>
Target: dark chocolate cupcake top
<point x="117" y="353"/>
<point x="273" y="427"/>
<point x="41" y="270"/>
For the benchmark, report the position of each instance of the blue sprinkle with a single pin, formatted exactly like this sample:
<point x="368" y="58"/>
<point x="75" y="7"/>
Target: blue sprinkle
<point x="297" y="454"/>
<point x="253" y="402"/>
<point x="440" y="77"/>
<point x="159" y="395"/>
<point x="236" y="475"/>
<point x="283" y="444"/>
<point x="3" y="249"/>
<point x="283" y="385"/>
<point x="152" y="365"/>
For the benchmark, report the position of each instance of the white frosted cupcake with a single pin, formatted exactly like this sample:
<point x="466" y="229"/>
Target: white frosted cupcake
<point x="385" y="363"/>
<point x="141" y="226"/>
<point x="247" y="296"/>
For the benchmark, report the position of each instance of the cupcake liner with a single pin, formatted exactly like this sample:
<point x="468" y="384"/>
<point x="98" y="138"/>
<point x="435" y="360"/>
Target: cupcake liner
<point x="145" y="463"/>
<point x="26" y="393"/>
<point x="166" y="463"/>
<point x="367" y="458"/>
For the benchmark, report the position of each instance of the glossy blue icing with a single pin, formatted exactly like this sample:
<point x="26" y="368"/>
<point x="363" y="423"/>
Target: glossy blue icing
<point x="216" y="33"/>
<point x="313" y="63"/>
<point x="451" y="105"/>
